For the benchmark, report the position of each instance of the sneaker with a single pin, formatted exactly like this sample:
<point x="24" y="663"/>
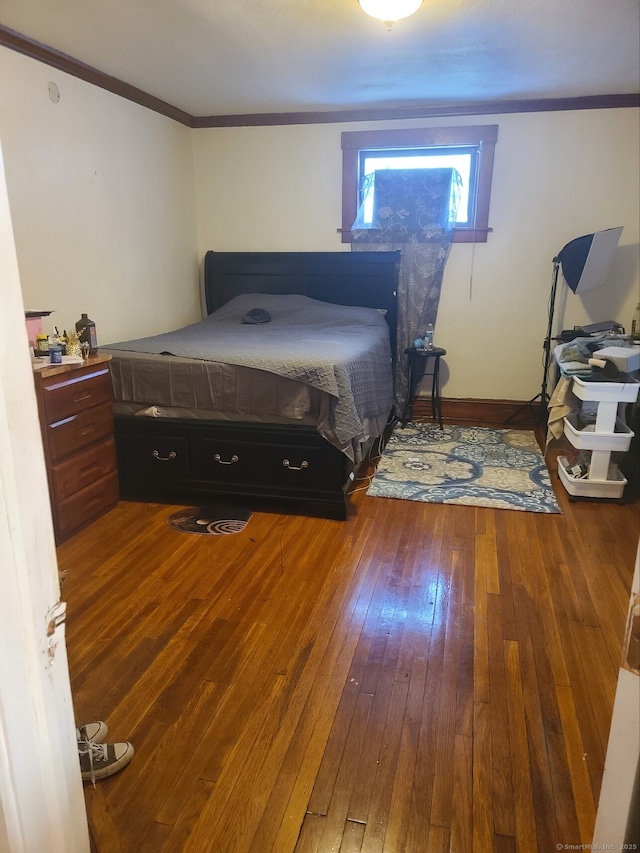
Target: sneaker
<point x="92" y="732"/>
<point x="99" y="760"/>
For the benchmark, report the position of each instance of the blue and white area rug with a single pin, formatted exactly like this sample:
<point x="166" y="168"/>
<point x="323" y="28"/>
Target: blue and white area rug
<point x="475" y="466"/>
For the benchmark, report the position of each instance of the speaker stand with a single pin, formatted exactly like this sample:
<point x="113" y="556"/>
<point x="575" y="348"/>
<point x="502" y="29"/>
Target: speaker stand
<point x="542" y="409"/>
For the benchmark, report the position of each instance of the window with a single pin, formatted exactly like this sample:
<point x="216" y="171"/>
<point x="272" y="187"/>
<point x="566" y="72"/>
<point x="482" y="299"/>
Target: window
<point x="371" y="161"/>
<point x="467" y="149"/>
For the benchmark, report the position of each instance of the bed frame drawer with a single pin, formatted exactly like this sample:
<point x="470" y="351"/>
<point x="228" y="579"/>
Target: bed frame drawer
<point x="161" y="457"/>
<point x="230" y="461"/>
<point x="244" y="461"/>
<point x="285" y="467"/>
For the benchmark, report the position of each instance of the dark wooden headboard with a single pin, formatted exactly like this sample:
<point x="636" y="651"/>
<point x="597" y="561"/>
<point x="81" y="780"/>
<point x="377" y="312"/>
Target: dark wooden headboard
<point x="369" y="279"/>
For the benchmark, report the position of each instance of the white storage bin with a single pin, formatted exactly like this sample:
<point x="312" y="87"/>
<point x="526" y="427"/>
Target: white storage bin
<point x="619" y="392"/>
<point x="609" y="434"/>
<point x="585" y="439"/>
<point x="613" y="487"/>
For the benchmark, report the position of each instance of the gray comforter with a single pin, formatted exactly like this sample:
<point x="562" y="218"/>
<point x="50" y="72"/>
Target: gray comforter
<point x="341" y="350"/>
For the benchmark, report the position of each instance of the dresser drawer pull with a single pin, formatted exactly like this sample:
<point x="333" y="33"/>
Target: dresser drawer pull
<point x="89" y="469"/>
<point x="304" y="464"/>
<point x="233" y="459"/>
<point x="168" y="458"/>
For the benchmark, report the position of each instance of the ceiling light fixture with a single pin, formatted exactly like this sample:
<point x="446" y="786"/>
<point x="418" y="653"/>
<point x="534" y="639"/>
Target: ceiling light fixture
<point x="390" y="11"/>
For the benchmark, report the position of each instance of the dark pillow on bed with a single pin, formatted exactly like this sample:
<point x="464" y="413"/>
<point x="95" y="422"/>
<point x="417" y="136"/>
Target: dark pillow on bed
<point x="256" y="315"/>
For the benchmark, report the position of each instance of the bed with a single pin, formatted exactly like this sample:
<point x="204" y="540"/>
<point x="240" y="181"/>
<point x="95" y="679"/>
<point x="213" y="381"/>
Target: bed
<point x="274" y="398"/>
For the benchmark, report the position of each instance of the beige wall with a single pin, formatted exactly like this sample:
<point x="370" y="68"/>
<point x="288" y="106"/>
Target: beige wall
<point x="114" y="207"/>
<point x="557" y="176"/>
<point x="101" y="195"/>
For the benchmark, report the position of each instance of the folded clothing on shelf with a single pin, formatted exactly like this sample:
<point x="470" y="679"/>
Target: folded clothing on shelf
<point x="581" y="356"/>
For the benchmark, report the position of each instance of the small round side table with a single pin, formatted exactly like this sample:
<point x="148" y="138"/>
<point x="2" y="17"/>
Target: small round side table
<point x="421" y="363"/>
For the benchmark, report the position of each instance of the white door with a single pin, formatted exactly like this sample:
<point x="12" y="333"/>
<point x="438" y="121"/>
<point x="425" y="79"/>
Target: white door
<point x="41" y="800"/>
<point x="619" y="793"/>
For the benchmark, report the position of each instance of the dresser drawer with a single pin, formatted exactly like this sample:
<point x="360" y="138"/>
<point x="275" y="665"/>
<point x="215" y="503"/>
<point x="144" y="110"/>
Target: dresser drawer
<point x="72" y="393"/>
<point x="76" y="421"/>
<point x="80" y="430"/>
<point x="83" y="469"/>
<point x="79" y="509"/>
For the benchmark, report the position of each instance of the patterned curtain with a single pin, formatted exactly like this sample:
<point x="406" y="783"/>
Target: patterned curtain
<point x="413" y="210"/>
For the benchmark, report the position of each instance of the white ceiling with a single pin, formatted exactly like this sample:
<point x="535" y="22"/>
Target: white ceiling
<point x="226" y="57"/>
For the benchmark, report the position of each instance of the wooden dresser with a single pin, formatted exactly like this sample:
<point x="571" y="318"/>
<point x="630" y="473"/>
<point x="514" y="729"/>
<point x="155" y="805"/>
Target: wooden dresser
<point x="76" y="420"/>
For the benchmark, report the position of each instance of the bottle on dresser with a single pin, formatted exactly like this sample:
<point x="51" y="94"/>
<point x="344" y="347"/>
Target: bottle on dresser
<point x="86" y="330"/>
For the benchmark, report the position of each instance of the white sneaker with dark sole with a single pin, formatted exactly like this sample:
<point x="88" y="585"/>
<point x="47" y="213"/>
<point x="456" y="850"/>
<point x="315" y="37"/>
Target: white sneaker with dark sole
<point x="92" y="732"/>
<point x="99" y="760"/>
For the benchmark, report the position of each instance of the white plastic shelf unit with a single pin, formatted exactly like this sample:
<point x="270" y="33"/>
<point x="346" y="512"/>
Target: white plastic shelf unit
<point x="611" y="434"/>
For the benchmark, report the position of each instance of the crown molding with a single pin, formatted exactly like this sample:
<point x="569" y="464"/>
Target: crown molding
<point x="589" y="102"/>
<point x="63" y="62"/>
<point x="49" y="56"/>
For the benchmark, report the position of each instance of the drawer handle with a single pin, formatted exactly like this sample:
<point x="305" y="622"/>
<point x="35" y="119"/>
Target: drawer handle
<point x="233" y="459"/>
<point x="303" y="464"/>
<point x="89" y="469"/>
<point x="168" y="458"/>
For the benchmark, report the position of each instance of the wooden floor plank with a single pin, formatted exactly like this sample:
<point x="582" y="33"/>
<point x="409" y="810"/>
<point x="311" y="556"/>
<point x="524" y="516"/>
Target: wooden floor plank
<point x="508" y="574"/>
<point x="539" y="591"/>
<point x="487" y="550"/>
<point x="310" y="833"/>
<point x="337" y="811"/>
<point x="496" y="767"/>
<point x="444" y="674"/>
<point x="526" y="835"/>
<point x="366" y="770"/>
<point x="403" y="780"/>
<point x="582" y="793"/>
<point x="437" y="840"/>
<point x="352" y="837"/>
<point x="286" y="806"/>
<point x="481" y="638"/>
<point x="463" y="793"/>
<point x="291" y="791"/>
<point x="550" y="781"/>
<point x="582" y="684"/>
<point x="444" y="721"/>
<point x="484" y="802"/>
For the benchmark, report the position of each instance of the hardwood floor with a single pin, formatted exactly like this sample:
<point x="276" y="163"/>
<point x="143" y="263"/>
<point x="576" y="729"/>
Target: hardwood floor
<point x="419" y="678"/>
